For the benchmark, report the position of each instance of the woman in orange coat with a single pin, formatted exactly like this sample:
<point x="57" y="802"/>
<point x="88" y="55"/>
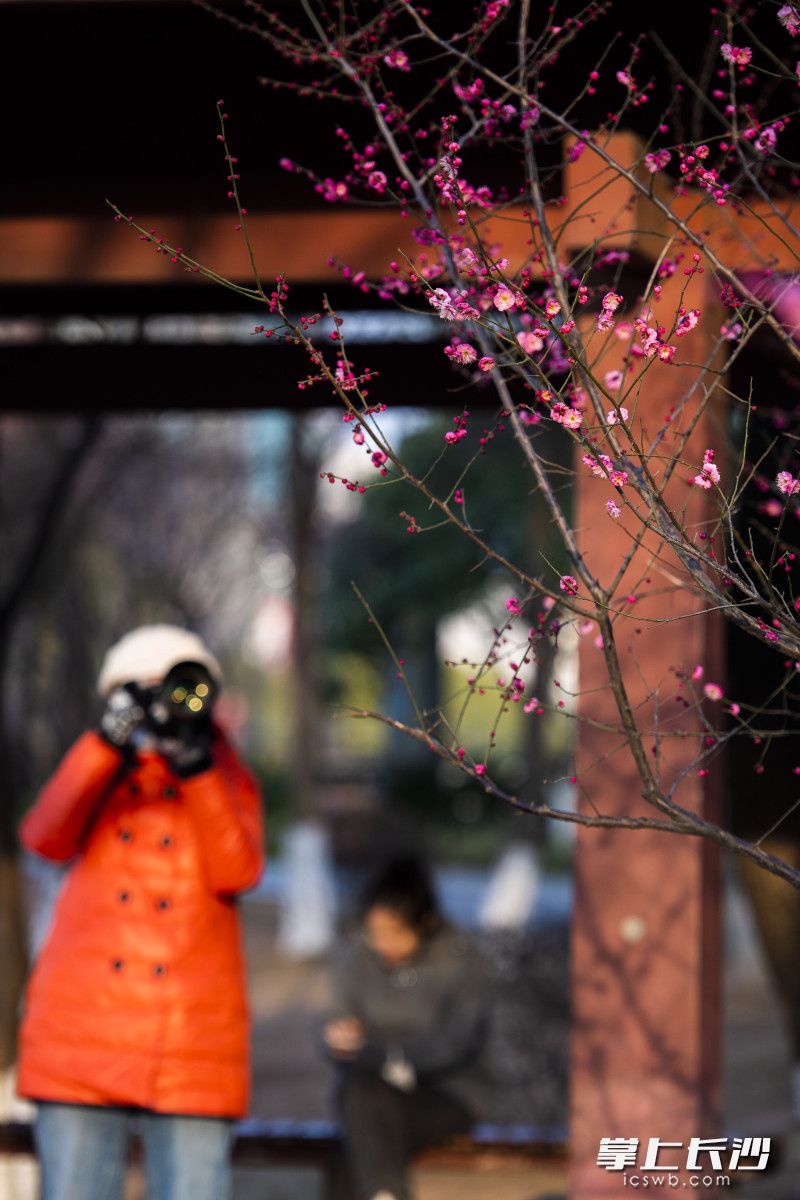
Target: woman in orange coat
<point x="137" y="1002"/>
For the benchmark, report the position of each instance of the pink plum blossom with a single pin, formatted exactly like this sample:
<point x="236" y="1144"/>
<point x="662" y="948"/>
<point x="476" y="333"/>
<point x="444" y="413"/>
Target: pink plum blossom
<point x="504" y="299"/>
<point x="612" y="380"/>
<point x="786" y="483"/>
<point x="789" y="17"/>
<point x="486" y="363"/>
<point x="443" y="303"/>
<point x="513" y="606"/>
<point x="618" y="477"/>
<point x="712" y="691"/>
<point x="564" y="415"/>
<point x="709" y="472"/>
<point x="614" y="510"/>
<point x="463" y="353"/>
<point x="687" y="322"/>
<point x="617" y="415"/>
<point x="568" y="585"/>
<point x="530" y="342"/>
<point x="657" y="161"/>
<point x="610" y="303"/>
<point x="397" y="59"/>
<point x="739" y="55"/>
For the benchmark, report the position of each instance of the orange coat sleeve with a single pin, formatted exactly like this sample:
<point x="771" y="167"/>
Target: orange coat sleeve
<point x="64" y="810"/>
<point x="224" y="804"/>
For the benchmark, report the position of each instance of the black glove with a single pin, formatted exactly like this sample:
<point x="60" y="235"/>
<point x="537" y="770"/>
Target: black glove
<point x="186" y="745"/>
<point x="122" y="724"/>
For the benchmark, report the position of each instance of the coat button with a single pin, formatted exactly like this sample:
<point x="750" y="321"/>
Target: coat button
<point x="124" y="835"/>
<point x="159" y="969"/>
<point x="117" y="964"/>
<point x="170" y="792"/>
<point x="123" y="897"/>
<point x="163" y="904"/>
<point x="165" y="841"/>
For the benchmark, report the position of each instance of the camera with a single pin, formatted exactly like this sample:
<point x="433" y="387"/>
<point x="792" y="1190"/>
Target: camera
<point x="187" y="693"/>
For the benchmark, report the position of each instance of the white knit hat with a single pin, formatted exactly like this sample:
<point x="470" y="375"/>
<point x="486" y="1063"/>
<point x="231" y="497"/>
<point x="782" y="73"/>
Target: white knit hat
<point x="147" y="653"/>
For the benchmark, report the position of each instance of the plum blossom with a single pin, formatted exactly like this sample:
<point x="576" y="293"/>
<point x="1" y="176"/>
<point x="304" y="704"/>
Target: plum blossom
<point x="455" y="435"/>
<point x="687" y="321"/>
<point x="463" y="353"/>
<point x="616" y="415"/>
<point x="552" y="309"/>
<point x="767" y="138"/>
<point x="377" y="181"/>
<point x="614" y="510"/>
<point x="568" y="585"/>
<point x="738" y="55"/>
<point x="530" y="341"/>
<point x="442" y="302"/>
<point x="466" y="258"/>
<point x="452" y="307"/>
<point x="513" y="606"/>
<point x="612" y="380"/>
<point x="603" y="467"/>
<point x="652" y="342"/>
<point x="789" y="17"/>
<point x="333" y="190"/>
<point x="564" y="415"/>
<point x="469" y="92"/>
<point x="786" y="483"/>
<point x="709" y="472"/>
<point x="397" y="59"/>
<point x="610" y="303"/>
<point x="657" y="160"/>
<point x="712" y="691"/>
<point x="486" y="363"/>
<point x="504" y="299"/>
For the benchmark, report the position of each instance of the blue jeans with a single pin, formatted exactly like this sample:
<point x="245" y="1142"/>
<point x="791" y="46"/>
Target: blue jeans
<point x="83" y="1151"/>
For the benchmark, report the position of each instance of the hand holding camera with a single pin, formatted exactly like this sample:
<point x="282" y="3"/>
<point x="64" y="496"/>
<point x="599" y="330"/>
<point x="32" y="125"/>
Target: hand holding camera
<point x="173" y="717"/>
<point x="123" y="724"/>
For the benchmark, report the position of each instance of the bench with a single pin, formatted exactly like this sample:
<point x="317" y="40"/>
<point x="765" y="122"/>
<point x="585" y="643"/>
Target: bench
<point x="318" y="1144"/>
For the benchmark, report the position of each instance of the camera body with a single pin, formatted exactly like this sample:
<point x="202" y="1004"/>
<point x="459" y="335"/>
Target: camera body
<point x="174" y="714"/>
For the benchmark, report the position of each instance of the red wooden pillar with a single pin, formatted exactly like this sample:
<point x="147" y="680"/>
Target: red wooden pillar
<point x="646" y="942"/>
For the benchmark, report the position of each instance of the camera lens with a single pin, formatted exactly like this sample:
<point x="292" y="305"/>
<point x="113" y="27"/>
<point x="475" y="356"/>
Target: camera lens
<point x="188" y="691"/>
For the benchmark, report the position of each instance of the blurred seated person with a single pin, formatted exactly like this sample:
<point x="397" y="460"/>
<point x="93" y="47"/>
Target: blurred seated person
<point x="409" y="1015"/>
<point x="136" y="1008"/>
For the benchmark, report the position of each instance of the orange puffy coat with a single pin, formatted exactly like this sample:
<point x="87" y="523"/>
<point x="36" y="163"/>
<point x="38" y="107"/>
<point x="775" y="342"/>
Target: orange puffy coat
<point x="138" y="996"/>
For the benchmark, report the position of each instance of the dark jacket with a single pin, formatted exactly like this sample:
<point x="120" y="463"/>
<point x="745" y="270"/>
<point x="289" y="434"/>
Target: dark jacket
<point x="432" y="1009"/>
